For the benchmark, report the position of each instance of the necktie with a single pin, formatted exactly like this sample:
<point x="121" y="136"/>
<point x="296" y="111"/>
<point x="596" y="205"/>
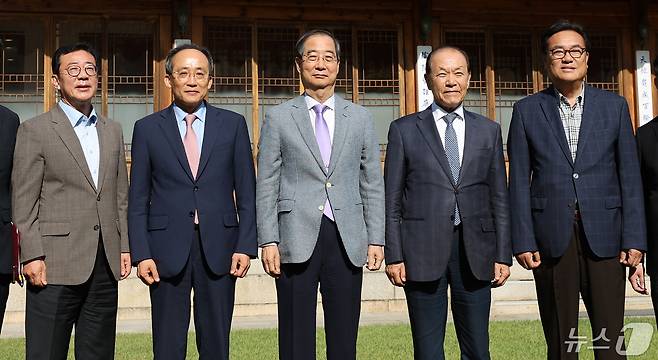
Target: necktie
<point x="324" y="143"/>
<point x="191" y="145"/>
<point x="452" y="153"/>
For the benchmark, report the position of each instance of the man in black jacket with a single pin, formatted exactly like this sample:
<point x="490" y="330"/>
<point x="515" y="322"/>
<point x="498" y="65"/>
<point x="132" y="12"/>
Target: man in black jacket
<point x="8" y="127"/>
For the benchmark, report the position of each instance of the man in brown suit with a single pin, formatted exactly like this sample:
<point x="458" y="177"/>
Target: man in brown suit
<point x="70" y="191"/>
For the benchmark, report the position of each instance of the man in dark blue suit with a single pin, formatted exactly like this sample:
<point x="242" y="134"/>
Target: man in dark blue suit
<point x="187" y="229"/>
<point x="576" y="197"/>
<point x="447" y="212"/>
<point x="8" y="128"/>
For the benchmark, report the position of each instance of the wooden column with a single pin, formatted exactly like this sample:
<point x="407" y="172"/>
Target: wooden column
<point x="490" y="76"/>
<point x="49" y="92"/>
<point x="254" y="88"/>
<point x="409" y="62"/>
<point x="105" y="76"/>
<point x="627" y="83"/>
<point x="162" y="93"/>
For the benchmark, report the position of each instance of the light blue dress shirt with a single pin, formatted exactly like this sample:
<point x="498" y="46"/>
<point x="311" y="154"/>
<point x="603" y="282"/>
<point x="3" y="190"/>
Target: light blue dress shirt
<point x="198" y="125"/>
<point x="85" y="129"/>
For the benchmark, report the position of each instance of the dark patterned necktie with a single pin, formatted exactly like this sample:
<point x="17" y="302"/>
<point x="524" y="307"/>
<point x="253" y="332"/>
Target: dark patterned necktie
<point x="452" y="153"/>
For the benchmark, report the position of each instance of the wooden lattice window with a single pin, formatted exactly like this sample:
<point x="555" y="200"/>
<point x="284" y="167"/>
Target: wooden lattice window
<point x="21" y="66"/>
<point x="231" y="47"/>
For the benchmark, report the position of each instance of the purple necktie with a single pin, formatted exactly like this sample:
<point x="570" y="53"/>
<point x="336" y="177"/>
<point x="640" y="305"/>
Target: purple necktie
<point x="324" y="143"/>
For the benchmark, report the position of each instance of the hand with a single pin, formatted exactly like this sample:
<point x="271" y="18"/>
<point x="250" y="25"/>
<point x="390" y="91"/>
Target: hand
<point x="631" y="257"/>
<point x="240" y="265"/>
<point x="271" y="260"/>
<point x="375" y="257"/>
<point x="148" y="272"/>
<point x="636" y="278"/>
<point x="501" y="274"/>
<point x="35" y="272"/>
<point x="529" y="260"/>
<point x="397" y="274"/>
<point x="126" y="266"/>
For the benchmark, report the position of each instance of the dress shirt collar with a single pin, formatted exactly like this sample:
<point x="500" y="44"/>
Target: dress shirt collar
<point x="76" y="117"/>
<point x="310" y="102"/>
<point x="439" y="113"/>
<point x="200" y="112"/>
<point x="563" y="99"/>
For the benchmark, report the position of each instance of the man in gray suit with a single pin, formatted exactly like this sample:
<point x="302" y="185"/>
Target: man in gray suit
<point x="69" y="202"/>
<point x="319" y="204"/>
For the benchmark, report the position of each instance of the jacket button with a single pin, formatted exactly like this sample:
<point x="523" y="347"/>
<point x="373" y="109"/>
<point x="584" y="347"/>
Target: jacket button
<point x="576" y="176"/>
<point x="191" y="213"/>
<point x="196" y="188"/>
<point x="98" y="198"/>
<point x="329" y="185"/>
<point x="96" y="227"/>
<point x="321" y="207"/>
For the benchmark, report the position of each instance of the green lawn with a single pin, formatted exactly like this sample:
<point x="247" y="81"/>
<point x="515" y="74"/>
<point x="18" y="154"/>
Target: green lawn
<point x="509" y="340"/>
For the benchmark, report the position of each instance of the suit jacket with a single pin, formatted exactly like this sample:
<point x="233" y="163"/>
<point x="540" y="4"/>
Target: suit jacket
<point x="545" y="182"/>
<point x="293" y="184"/>
<point x="8" y="126"/>
<point x="57" y="208"/>
<point x="164" y="194"/>
<point x="647" y="143"/>
<point x="421" y="197"/>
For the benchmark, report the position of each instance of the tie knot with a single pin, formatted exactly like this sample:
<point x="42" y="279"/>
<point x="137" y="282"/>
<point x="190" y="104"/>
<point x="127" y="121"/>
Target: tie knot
<point x="189" y="119"/>
<point x="319" y="109"/>
<point x="449" y="118"/>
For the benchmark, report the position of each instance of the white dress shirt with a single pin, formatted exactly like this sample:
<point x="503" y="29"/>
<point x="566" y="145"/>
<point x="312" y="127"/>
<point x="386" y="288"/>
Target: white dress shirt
<point x="85" y="129"/>
<point x="329" y="114"/>
<point x="459" y="124"/>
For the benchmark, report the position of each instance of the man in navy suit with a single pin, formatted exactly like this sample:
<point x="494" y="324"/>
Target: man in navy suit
<point x="576" y="197"/>
<point x="187" y="230"/>
<point x="447" y="212"/>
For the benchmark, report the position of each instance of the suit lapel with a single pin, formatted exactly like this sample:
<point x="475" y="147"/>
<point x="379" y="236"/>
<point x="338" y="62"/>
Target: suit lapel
<point x="172" y="134"/>
<point x="588" y="119"/>
<point x="103" y="143"/>
<point x="64" y="130"/>
<point x="340" y="131"/>
<point x="427" y="128"/>
<point x="471" y="136"/>
<point x="301" y="118"/>
<point x="552" y="115"/>
<point x="210" y="134"/>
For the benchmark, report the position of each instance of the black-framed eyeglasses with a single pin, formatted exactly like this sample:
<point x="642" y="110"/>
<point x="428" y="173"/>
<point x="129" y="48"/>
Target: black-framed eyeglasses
<point x="75" y="70"/>
<point x="576" y="53"/>
<point x="313" y="58"/>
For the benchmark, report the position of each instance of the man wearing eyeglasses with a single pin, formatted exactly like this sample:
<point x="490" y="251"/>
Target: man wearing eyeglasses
<point x="576" y="198"/>
<point x="69" y="201"/>
<point x="192" y="212"/>
<point x="320" y="204"/>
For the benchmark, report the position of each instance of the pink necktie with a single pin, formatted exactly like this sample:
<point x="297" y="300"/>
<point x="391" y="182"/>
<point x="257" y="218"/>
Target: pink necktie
<point x="192" y="151"/>
<point x="191" y="144"/>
